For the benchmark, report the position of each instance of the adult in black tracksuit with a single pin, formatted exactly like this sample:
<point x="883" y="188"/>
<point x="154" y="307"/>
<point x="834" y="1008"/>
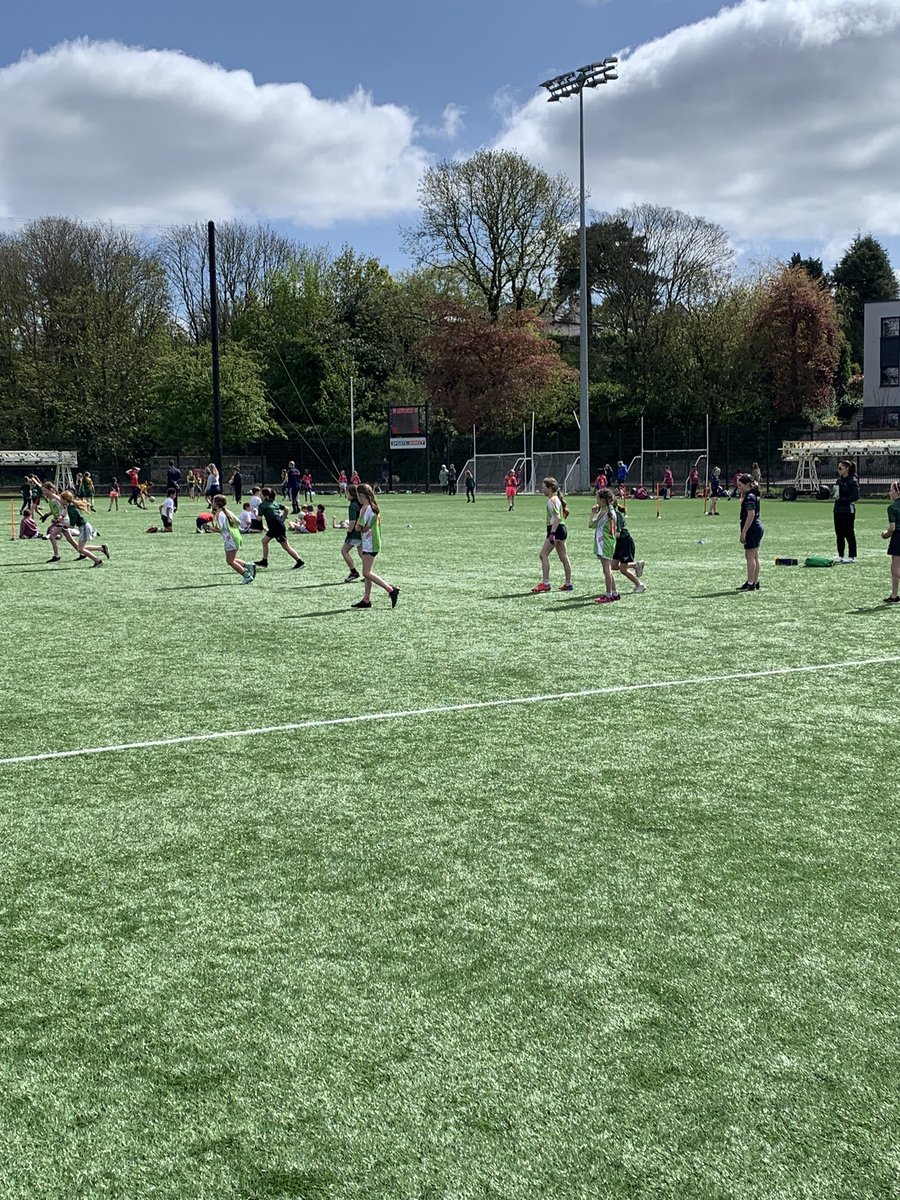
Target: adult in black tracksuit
<point x="846" y="496"/>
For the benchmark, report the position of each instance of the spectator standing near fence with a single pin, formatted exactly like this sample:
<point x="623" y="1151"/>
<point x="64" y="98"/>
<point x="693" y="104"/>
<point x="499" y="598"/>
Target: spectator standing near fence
<point x="451" y="480"/>
<point x="694" y="482"/>
<point x="213" y="484"/>
<point x="307" y="481"/>
<point x="668" y="483"/>
<point x="237" y="483"/>
<point x="621" y="473"/>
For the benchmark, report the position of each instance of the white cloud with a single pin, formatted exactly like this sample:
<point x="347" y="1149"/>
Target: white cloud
<point x="101" y="130"/>
<point x="777" y="118"/>
<point x="452" y="120"/>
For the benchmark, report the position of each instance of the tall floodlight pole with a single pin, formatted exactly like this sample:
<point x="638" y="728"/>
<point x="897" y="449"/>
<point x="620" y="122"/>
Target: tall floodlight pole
<point x="214" y="340"/>
<point x="573" y="83"/>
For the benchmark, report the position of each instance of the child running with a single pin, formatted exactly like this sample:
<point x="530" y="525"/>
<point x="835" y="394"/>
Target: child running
<point x="227" y="524"/>
<point x="557" y="511"/>
<point x="76" y="507"/>
<point x="353" y="540"/>
<point x="369" y="525"/>
<point x="751" y="530"/>
<point x="622" y="545"/>
<point x="892" y="537"/>
<point x="59" y="525"/>
<point x="273" y="514"/>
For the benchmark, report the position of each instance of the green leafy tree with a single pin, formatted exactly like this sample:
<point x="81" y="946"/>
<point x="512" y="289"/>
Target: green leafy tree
<point x="181" y="393"/>
<point x="863" y="276"/>
<point x="495" y="223"/>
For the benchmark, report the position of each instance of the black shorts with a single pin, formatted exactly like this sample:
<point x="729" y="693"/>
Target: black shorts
<point x="624" y="551"/>
<point x="277" y="532"/>
<point x="754" y="536"/>
<point x="167" y="524"/>
<point x="894" y="543"/>
<point x="561" y="532"/>
<point x="353" y="539"/>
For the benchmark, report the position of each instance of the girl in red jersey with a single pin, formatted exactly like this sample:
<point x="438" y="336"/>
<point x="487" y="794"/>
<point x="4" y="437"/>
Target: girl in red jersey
<point x="512" y="488"/>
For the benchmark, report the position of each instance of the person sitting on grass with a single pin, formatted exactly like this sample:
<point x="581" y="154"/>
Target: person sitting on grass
<point x="205" y="523"/>
<point x="27" y="526"/>
<point x="245" y="517"/>
<point x="321" y="523"/>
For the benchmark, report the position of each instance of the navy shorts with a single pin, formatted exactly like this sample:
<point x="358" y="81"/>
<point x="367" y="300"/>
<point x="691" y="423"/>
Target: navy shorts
<point x="894" y="543"/>
<point x="277" y="533"/>
<point x="754" y="536"/>
<point x="561" y="532"/>
<point x="624" y="550"/>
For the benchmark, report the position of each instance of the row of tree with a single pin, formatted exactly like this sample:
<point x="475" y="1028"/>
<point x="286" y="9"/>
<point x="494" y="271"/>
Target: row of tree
<point x="104" y="338"/>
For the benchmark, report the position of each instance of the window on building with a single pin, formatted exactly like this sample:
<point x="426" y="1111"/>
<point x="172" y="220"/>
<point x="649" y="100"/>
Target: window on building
<point x="890" y="352"/>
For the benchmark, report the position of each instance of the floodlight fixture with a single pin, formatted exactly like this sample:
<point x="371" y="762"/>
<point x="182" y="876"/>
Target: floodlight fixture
<point x="561" y="87"/>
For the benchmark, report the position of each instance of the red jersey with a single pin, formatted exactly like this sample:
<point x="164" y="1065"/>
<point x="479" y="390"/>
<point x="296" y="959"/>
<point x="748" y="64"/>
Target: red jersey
<point x="132" y="477"/>
<point x="309" y="520"/>
<point x="512" y="481"/>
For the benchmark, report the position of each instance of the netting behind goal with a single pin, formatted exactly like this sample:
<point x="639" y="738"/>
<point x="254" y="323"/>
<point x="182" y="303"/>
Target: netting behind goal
<point x="490" y="471"/>
<point x="561" y="465"/>
<point x="681" y="463"/>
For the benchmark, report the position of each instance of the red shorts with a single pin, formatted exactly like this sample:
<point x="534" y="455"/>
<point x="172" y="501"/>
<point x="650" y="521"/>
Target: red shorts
<point x="510" y="493"/>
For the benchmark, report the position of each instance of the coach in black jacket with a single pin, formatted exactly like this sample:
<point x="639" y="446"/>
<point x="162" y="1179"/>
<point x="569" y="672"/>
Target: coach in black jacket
<point x="846" y="494"/>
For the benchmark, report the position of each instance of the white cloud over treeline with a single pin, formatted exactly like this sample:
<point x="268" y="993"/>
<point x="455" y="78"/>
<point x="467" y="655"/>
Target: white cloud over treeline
<point x="101" y="130"/>
<point x="777" y="118"/>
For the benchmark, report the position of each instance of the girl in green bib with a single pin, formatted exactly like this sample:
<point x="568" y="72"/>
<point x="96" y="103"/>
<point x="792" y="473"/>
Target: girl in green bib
<point x="369" y="526"/>
<point x="228" y="525"/>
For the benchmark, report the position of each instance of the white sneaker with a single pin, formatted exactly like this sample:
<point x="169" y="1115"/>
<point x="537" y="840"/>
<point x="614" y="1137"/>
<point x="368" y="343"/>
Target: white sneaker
<point x="639" y="587"/>
<point x="639" y="567"/>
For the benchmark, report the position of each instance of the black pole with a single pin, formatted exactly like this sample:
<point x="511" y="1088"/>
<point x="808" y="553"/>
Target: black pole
<point x="214" y="339"/>
<point x="427" y="446"/>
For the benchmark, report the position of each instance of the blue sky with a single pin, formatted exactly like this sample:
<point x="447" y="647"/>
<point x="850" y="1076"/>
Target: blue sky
<point x="741" y="116"/>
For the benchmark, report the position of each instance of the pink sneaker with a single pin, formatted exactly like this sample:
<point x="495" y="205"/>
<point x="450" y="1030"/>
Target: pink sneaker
<point x="567" y="587"/>
<point x="541" y="587"/>
<point x="605" y="599"/>
<point x="615" y="596"/>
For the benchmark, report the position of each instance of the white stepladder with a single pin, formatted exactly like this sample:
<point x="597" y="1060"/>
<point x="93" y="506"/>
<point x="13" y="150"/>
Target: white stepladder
<point x="62" y="460"/>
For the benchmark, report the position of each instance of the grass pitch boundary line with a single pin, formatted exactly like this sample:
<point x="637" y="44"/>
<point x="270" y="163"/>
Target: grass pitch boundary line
<point x="440" y="709"/>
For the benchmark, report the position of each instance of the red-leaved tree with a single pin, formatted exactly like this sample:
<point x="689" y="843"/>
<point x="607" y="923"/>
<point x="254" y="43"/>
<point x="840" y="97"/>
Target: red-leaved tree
<point x="491" y="373"/>
<point x="798" y="343"/>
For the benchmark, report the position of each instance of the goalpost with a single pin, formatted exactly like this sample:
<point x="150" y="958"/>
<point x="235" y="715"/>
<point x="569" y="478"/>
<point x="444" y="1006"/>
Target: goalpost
<point x="681" y="461"/>
<point x="490" y="470"/>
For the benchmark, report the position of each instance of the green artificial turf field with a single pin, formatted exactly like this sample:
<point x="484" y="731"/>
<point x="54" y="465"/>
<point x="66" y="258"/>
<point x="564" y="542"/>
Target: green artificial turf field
<point x="632" y="944"/>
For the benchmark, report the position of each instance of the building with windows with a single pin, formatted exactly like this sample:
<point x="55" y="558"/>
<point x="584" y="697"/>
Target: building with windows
<point x="881" y="394"/>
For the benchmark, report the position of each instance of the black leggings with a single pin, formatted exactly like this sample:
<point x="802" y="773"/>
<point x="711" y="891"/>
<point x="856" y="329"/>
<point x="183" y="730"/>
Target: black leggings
<point x="844" y="532"/>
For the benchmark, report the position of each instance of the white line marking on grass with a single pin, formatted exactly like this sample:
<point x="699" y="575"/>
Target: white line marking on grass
<point x="436" y="710"/>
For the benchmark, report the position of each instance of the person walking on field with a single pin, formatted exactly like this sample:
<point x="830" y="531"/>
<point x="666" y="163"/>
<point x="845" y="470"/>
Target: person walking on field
<point x="451" y="480"/>
<point x="512" y="487"/>
<point x="668" y="484"/>
<point x="292" y="480"/>
<point x="846" y="494"/>
<point x="470" y="487"/>
<point x="694" y="482"/>
<point x="237" y="484"/>
<point x="353" y="538"/>
<point x="369" y="525"/>
<point x="557" y="534"/>
<point x="133" y="474"/>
